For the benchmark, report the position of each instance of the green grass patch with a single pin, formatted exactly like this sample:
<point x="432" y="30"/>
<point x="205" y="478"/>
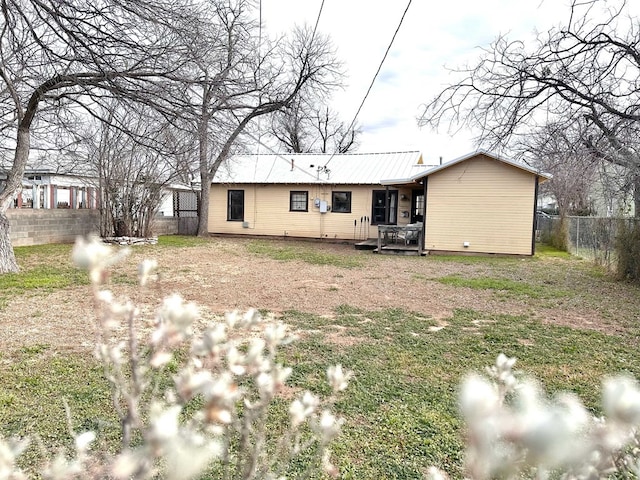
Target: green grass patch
<point x="543" y="250"/>
<point x="502" y="285"/>
<point x="43" y="268"/>
<point x="309" y="254"/>
<point x="401" y="407"/>
<point x="36" y="384"/>
<point x="489" y="260"/>
<point x="182" y="241"/>
<point x="55" y="250"/>
<point x="43" y="277"/>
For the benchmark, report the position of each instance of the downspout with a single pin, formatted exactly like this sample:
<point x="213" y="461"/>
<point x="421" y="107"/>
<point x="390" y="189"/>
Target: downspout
<point x="535" y="217"/>
<point x="424" y="214"/>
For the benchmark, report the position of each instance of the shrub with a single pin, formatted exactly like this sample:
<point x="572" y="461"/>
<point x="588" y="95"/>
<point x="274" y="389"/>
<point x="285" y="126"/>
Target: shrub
<point x="515" y="431"/>
<point x="559" y="235"/>
<point x="627" y="248"/>
<point x="191" y="402"/>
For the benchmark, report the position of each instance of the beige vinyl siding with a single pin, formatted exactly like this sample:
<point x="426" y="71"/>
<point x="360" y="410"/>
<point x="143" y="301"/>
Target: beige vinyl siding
<point x="266" y="212"/>
<point x="481" y="201"/>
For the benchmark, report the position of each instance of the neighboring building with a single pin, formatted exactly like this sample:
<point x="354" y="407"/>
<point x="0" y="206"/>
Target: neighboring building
<point x="606" y="191"/>
<point x="47" y="189"/>
<point x="478" y="203"/>
<point x="611" y="194"/>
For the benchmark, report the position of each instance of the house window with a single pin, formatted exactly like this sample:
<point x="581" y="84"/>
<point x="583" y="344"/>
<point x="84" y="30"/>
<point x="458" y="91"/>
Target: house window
<point x="298" y="201"/>
<point x="235" y="205"/>
<point x="341" y="202"/>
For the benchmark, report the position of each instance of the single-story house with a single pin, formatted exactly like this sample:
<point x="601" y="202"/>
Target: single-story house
<point x="479" y="203"/>
<point x="46" y="188"/>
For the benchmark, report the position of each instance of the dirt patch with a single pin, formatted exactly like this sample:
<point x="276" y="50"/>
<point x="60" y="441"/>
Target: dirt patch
<point x="339" y="335"/>
<point x="223" y="275"/>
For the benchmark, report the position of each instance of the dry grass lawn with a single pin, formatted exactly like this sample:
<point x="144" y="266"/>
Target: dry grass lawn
<point x="221" y="274"/>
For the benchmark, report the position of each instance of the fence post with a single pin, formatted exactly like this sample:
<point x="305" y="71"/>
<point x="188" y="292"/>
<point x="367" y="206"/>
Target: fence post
<point x="577" y="234"/>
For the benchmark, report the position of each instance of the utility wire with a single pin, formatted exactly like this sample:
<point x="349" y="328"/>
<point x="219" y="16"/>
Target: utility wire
<point x="372" y="81"/>
<point x="315" y="28"/>
<point x="282" y="157"/>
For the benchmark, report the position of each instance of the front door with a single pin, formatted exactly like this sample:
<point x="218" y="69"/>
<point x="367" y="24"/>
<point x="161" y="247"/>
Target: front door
<point x="417" y="206"/>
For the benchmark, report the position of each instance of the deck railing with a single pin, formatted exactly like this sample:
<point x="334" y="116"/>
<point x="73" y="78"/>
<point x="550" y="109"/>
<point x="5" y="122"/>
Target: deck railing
<point x="400" y="237"/>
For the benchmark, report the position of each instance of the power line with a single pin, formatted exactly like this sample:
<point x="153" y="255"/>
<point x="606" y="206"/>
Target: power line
<point x="281" y="156"/>
<point x="315" y="28"/>
<point x="373" y="80"/>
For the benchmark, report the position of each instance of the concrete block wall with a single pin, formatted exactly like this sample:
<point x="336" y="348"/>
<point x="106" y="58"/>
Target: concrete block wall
<point x="39" y="227"/>
<point x="165" y="226"/>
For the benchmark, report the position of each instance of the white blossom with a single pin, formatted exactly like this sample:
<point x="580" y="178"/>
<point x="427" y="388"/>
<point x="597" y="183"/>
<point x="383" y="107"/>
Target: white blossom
<point x="236" y="361"/>
<point x="502" y="371"/>
<point x="211" y="341"/>
<point x="251" y="317"/>
<point x="10" y="450"/>
<point x="84" y="440"/>
<point x="434" y="473"/>
<point x="266" y="384"/>
<point x="301" y="409"/>
<point x="164" y="422"/>
<point x="146" y="271"/>
<point x="174" y="321"/>
<point x="621" y="400"/>
<point x="91" y="253"/>
<point x="161" y="358"/>
<point x="191" y="383"/>
<point x="281" y="374"/>
<point x="223" y="387"/>
<point x="329" y="426"/>
<point x="275" y="333"/>
<point x="95" y="256"/>
<point x="338" y="378"/>
<point x="254" y="352"/>
<point x="127" y="464"/>
<point x="478" y="398"/>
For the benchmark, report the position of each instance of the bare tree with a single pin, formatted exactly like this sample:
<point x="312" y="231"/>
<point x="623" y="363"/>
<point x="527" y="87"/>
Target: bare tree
<point x="585" y="71"/>
<point x="66" y="55"/>
<point x="241" y="76"/>
<point x="575" y="168"/>
<point x="132" y="174"/>
<point x="304" y="127"/>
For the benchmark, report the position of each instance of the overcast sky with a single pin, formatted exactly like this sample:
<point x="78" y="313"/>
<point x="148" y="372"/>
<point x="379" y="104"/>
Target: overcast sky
<point x="433" y="36"/>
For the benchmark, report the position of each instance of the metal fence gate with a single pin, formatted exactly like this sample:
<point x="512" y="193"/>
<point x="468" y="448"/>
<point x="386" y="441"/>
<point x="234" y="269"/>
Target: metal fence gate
<point x="185" y="208"/>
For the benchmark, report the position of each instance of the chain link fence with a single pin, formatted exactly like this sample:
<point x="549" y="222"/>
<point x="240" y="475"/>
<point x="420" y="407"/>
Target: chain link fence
<point x="593" y="238"/>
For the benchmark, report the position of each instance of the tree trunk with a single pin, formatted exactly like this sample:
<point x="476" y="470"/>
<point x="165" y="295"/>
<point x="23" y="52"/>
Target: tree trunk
<point x="203" y="207"/>
<point x="636" y="195"/>
<point x="8" y="263"/>
<point x="205" y="176"/>
<point x="12" y="185"/>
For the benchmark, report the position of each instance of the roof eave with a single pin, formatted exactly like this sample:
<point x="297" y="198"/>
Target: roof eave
<point x="398" y="181"/>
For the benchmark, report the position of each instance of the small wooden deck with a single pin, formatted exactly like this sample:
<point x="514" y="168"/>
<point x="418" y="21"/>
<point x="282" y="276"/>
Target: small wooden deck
<point x="399" y="250"/>
<point x="395" y="240"/>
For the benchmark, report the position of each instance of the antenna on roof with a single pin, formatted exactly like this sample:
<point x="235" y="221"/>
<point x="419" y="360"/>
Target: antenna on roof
<point x="324" y="169"/>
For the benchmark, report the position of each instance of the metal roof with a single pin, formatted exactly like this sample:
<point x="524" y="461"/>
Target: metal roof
<point x="346" y="168"/>
<point x="450" y="163"/>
